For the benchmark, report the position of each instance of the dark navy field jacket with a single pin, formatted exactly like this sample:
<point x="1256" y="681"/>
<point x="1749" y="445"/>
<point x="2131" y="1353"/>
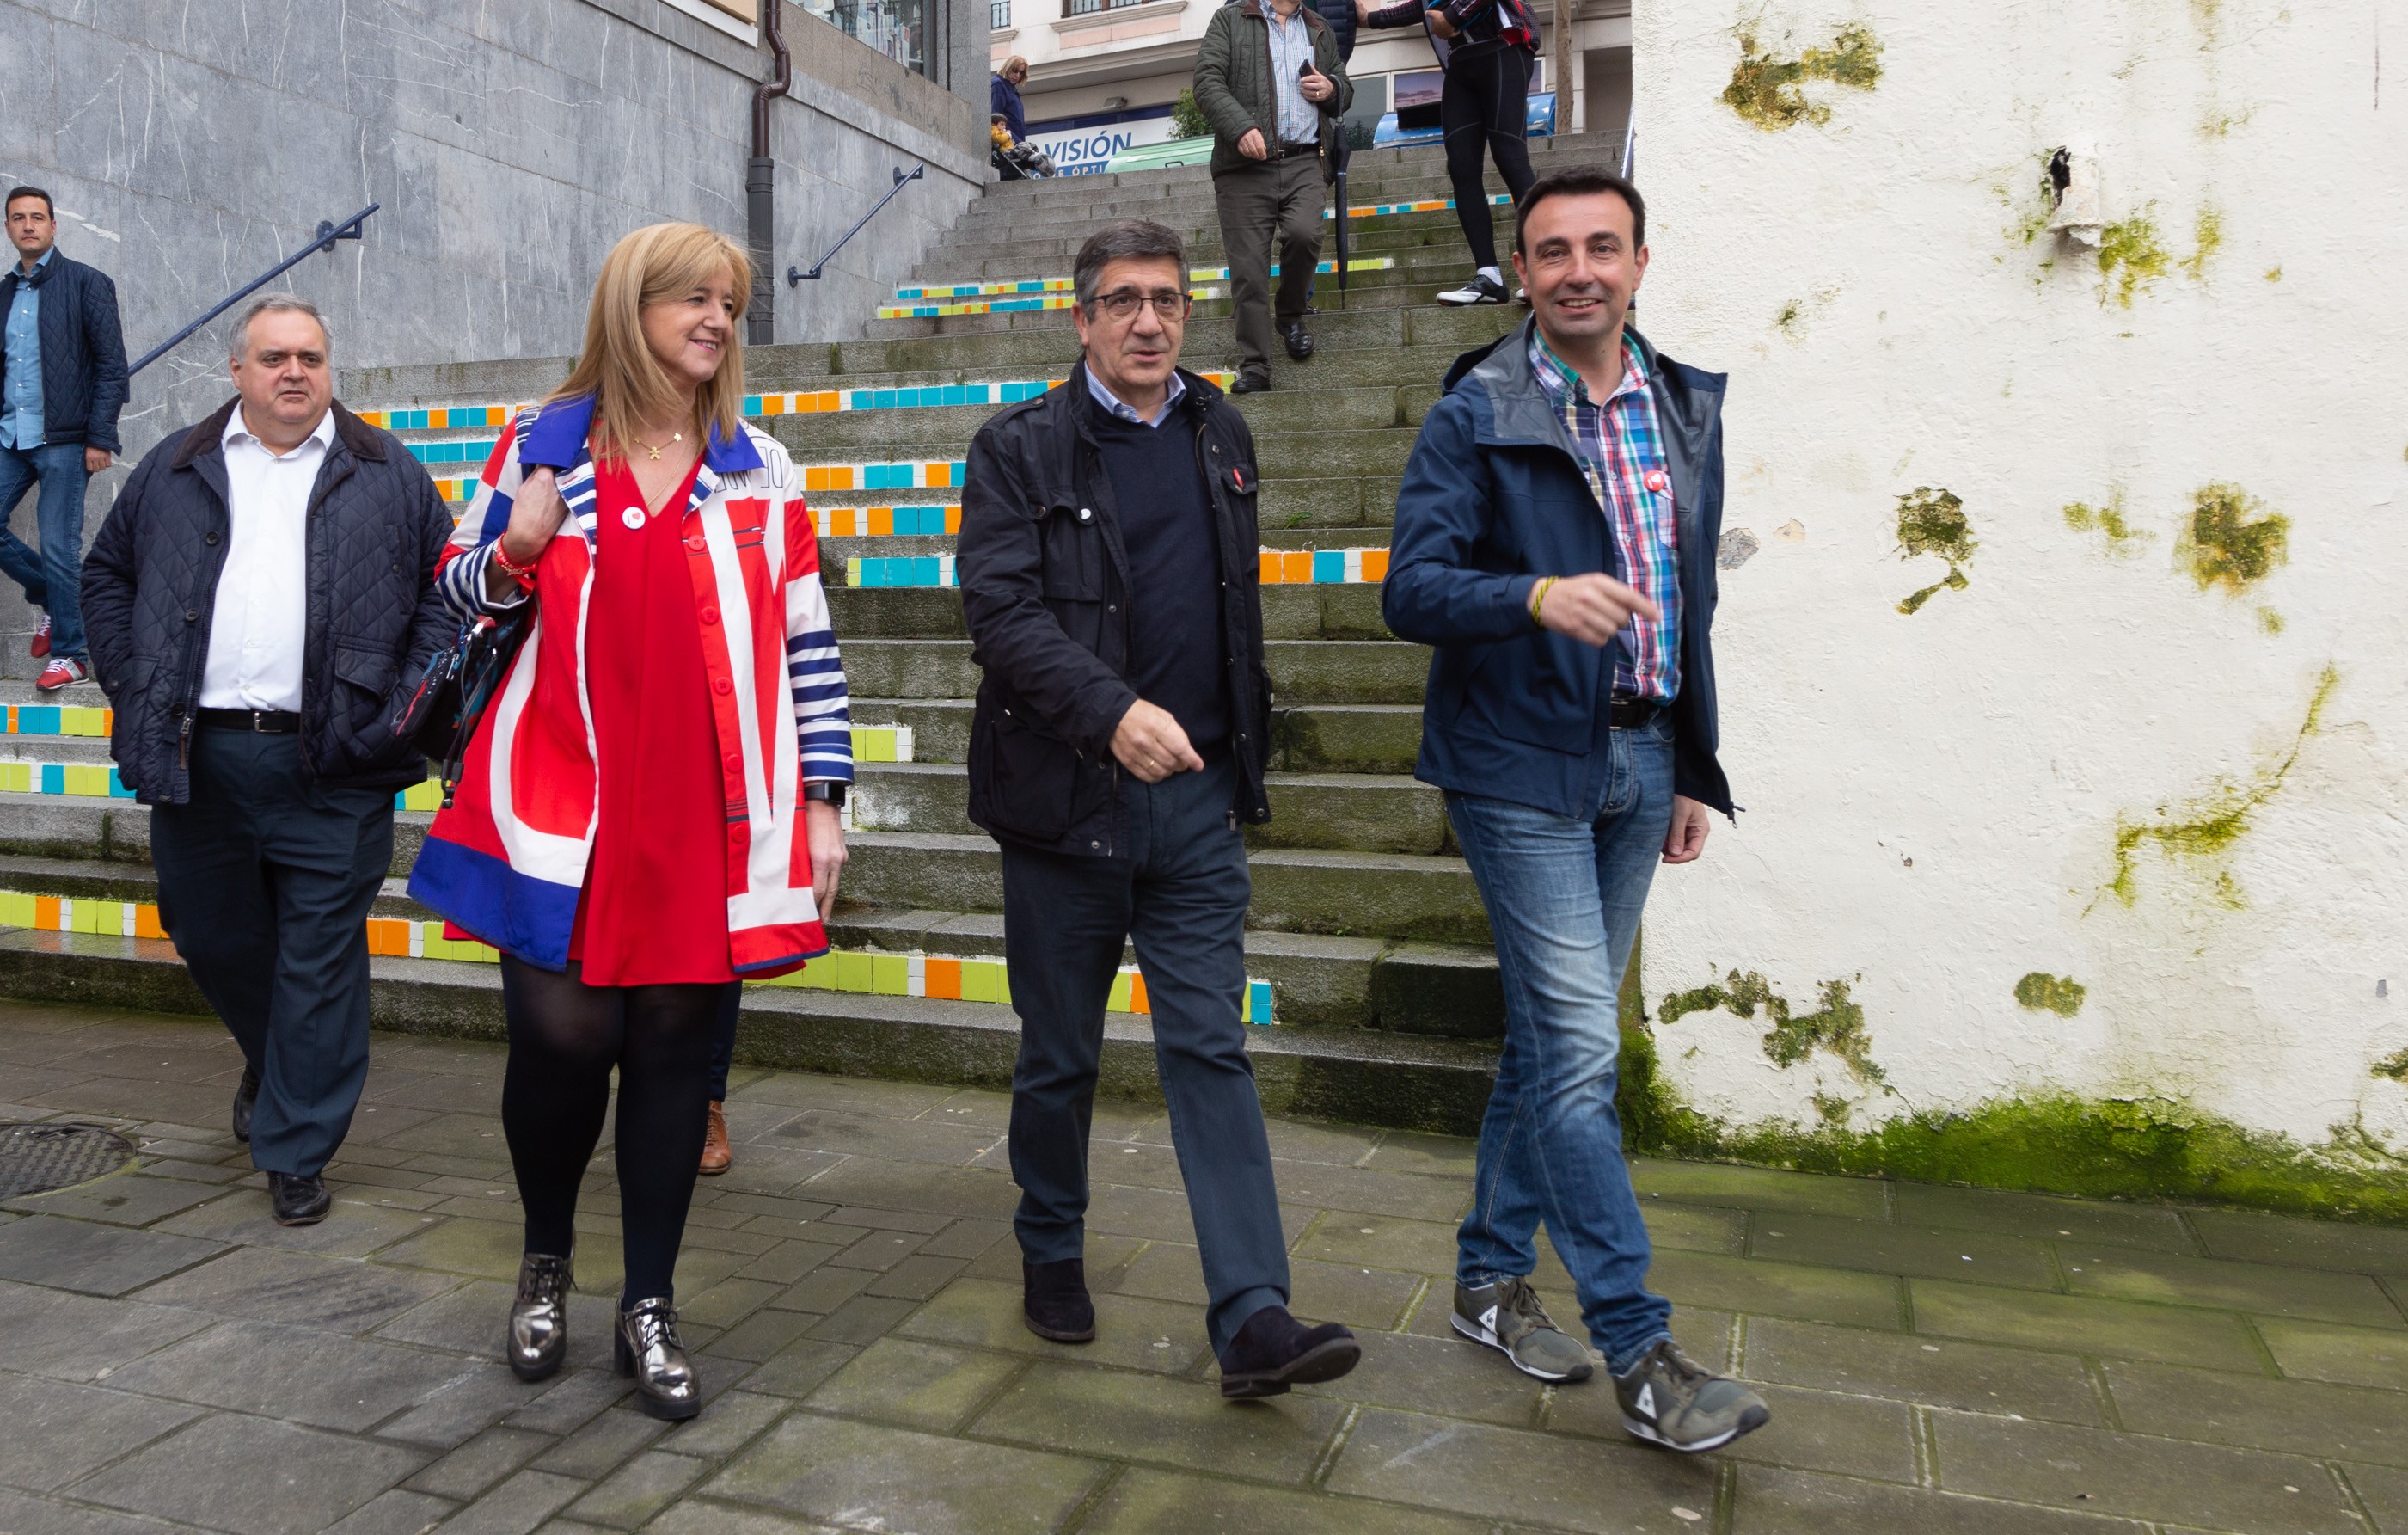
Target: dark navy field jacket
<point x="1494" y="498"/>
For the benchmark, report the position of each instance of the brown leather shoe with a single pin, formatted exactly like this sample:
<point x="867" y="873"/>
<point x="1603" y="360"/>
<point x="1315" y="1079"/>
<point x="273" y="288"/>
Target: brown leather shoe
<point x="717" y="1155"/>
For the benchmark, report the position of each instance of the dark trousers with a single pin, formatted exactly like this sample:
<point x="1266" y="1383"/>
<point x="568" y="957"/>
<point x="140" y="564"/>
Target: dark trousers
<point x="1178" y="890"/>
<point x="1262" y="203"/>
<point x="52" y="576"/>
<point x="265" y="879"/>
<point x="1484" y="103"/>
<point x="723" y="1039"/>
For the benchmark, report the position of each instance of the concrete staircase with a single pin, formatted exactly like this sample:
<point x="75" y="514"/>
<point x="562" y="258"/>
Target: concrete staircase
<point x="1365" y="921"/>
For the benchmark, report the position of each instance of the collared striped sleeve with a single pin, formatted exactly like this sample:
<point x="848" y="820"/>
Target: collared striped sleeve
<point x="460" y="575"/>
<point x="823" y="711"/>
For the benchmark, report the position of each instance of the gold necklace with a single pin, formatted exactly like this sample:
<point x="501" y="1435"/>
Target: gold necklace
<point x="675" y="437"/>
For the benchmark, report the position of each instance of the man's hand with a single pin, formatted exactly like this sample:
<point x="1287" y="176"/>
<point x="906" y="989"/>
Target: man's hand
<point x="824" y="828"/>
<point x="96" y="459"/>
<point x="1253" y="148"/>
<point x="1592" y="608"/>
<point x="1686" y="840"/>
<point x="1151" y="744"/>
<point x="1317" y="87"/>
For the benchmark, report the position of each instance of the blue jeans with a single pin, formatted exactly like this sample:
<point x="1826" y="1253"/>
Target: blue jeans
<point x="53" y="578"/>
<point x="1564" y="896"/>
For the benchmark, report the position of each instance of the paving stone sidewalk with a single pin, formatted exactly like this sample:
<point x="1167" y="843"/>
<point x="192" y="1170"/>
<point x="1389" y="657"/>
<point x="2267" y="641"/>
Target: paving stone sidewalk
<point x="1937" y="1358"/>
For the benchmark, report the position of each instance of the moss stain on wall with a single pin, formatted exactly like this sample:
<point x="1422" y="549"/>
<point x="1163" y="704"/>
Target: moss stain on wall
<point x="2207" y="238"/>
<point x="2116" y="1149"/>
<point x="2131" y="257"/>
<point x="2393" y="1066"/>
<point x="1767" y="91"/>
<point x="2123" y="539"/>
<point x="2209" y="829"/>
<point x="1836" y="1025"/>
<point x="2059" y="994"/>
<point x="2228" y="543"/>
<point x="1932" y="521"/>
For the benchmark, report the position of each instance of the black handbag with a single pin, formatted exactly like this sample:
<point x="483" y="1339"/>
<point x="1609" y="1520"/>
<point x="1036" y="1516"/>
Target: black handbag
<point x="440" y="718"/>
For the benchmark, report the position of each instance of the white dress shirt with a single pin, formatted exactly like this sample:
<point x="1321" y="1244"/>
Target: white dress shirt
<point x="262" y="617"/>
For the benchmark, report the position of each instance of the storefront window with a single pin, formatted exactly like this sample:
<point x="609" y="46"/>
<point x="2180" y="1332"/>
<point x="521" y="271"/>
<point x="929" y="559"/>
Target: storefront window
<point x="896" y="28"/>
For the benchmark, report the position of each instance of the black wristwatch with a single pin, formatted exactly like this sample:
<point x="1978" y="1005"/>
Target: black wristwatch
<point x="828" y="790"/>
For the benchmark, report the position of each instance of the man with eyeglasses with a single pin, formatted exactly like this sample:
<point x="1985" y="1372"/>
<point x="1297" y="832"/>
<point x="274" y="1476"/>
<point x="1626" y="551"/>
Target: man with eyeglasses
<point x="1109" y="574"/>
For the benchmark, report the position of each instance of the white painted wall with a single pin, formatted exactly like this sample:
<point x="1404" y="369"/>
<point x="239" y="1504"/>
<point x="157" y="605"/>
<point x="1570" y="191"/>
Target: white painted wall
<point x="1933" y="800"/>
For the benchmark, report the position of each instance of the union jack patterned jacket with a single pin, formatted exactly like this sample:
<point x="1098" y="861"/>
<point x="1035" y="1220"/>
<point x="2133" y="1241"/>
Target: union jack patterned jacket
<point x="506" y="862"/>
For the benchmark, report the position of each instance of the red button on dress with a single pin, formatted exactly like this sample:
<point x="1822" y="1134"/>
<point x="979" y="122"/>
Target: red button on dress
<point x="654" y="908"/>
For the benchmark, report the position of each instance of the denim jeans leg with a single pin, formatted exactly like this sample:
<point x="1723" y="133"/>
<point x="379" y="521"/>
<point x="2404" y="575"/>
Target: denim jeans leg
<point x="1563" y="899"/>
<point x="60" y="520"/>
<point x="18" y="562"/>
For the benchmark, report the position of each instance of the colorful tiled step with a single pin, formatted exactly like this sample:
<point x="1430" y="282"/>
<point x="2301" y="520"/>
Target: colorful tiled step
<point x="1004" y="305"/>
<point x="1007" y="287"/>
<point x="1280" y="567"/>
<point x="58" y="720"/>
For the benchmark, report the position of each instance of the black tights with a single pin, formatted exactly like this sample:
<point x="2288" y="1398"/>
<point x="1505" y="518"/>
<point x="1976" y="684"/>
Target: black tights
<point x="1484" y="103"/>
<point x="565" y="1038"/>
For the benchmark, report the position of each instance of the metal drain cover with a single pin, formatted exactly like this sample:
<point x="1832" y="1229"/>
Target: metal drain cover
<point x="54" y="1155"/>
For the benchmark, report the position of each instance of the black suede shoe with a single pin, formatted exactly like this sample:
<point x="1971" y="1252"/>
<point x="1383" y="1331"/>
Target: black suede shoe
<point x="300" y="1198"/>
<point x="1054" y="1301"/>
<point x="1251" y="383"/>
<point x="1274" y="1351"/>
<point x="246" y="1098"/>
<point x="1299" y="340"/>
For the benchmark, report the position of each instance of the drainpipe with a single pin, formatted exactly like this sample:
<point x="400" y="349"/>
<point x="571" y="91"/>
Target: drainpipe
<point x="761" y="185"/>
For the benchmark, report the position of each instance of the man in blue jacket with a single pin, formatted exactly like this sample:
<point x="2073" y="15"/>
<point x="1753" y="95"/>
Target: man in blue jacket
<point x="62" y="385"/>
<point x="1555" y="540"/>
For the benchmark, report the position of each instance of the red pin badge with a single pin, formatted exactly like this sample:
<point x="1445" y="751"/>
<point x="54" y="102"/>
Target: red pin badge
<point x="1658" y="482"/>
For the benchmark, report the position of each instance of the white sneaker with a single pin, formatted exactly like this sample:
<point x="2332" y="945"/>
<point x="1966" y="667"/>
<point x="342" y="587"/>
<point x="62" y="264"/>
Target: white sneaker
<point x="1480" y="290"/>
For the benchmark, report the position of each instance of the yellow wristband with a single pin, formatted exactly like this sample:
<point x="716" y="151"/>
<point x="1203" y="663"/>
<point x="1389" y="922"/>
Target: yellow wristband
<point x="1539" y="595"/>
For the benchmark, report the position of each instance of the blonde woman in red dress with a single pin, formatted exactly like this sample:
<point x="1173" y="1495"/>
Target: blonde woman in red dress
<point x="649" y="812"/>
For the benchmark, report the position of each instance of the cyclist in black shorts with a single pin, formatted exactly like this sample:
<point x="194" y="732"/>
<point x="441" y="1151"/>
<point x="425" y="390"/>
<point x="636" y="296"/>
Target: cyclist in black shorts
<point x="1486" y="48"/>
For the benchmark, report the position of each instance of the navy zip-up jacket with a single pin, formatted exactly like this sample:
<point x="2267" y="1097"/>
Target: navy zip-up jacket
<point x="1493" y="498"/>
<point x="83" y="351"/>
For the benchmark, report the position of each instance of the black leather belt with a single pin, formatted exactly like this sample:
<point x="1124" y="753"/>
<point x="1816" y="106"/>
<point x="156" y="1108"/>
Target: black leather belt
<point x="1629" y="713"/>
<point x="1313" y="147"/>
<point x="265" y="722"/>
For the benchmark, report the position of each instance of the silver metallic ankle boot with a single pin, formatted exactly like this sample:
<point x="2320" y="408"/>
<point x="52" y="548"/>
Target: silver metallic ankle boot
<point x="539" y="1317"/>
<point x="649" y="1349"/>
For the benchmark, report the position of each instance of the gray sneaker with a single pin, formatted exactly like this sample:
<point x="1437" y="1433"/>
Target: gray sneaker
<point x="1671" y="1400"/>
<point x="1509" y="1317"/>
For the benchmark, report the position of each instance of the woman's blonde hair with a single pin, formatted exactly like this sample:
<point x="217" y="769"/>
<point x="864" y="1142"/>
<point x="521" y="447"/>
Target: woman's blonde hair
<point x="658" y="264"/>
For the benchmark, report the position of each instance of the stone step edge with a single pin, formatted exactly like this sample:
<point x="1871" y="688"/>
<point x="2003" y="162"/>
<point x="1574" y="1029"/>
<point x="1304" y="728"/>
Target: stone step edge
<point x="1352" y="1076"/>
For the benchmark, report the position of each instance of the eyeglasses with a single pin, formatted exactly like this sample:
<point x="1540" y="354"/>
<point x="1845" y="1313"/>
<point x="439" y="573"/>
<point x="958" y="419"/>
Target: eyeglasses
<point x="1121" y="305"/>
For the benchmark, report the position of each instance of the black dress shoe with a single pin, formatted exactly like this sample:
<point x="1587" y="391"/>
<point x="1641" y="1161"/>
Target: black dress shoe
<point x="1299" y="340"/>
<point x="246" y="1098"/>
<point x="1251" y="383"/>
<point x="1274" y="1351"/>
<point x="300" y="1198"/>
<point x="1053" y="1300"/>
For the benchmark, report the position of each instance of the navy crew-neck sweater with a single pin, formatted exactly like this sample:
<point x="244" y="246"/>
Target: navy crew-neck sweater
<point x="1175" y="640"/>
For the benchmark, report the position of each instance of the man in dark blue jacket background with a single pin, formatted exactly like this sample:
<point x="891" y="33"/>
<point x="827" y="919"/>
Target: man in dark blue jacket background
<point x="1554" y="541"/>
<point x="62" y="385"/>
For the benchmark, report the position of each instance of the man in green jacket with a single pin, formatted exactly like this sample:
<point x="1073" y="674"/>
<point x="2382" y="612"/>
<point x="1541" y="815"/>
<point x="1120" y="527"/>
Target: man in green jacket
<point x="1270" y="80"/>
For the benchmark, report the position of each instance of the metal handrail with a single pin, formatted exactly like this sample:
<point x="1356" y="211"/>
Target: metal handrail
<point x="328" y="233"/>
<point x="795" y="275"/>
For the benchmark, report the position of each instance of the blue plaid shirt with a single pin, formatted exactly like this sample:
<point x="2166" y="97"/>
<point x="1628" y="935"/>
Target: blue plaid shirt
<point x="1621" y="452"/>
